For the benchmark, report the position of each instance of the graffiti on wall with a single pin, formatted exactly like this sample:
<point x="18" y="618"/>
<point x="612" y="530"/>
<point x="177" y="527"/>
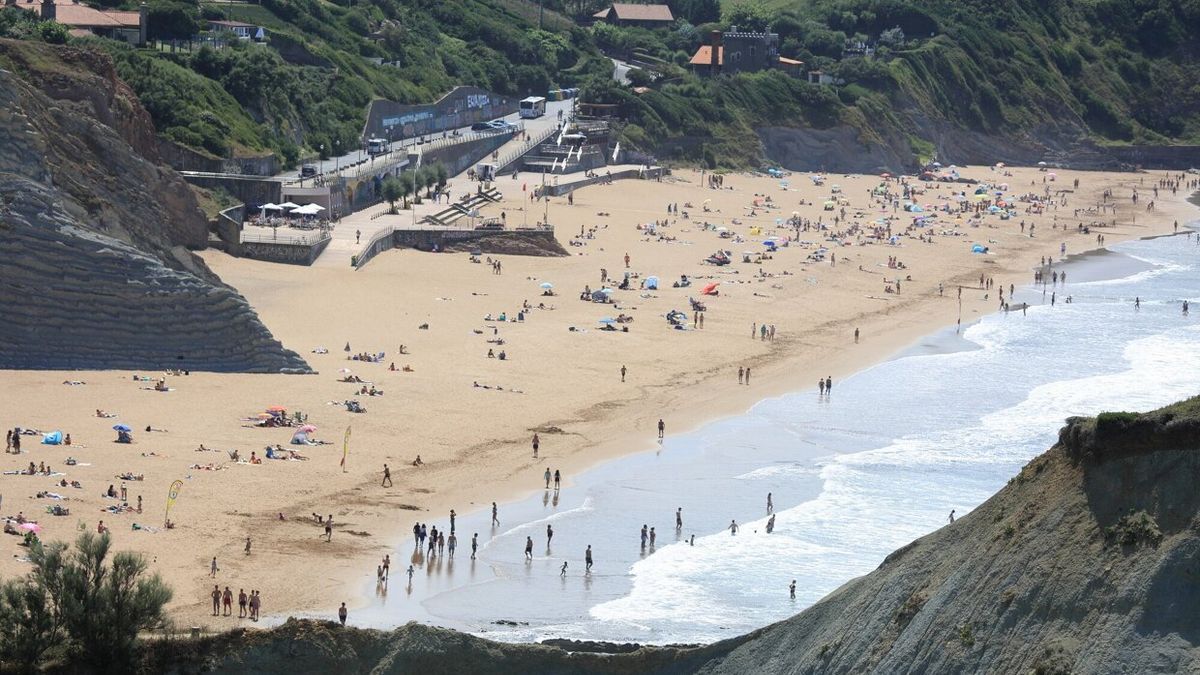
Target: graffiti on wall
<point x="463" y="106"/>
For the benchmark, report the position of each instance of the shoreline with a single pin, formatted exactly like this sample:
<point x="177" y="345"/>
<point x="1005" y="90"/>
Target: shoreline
<point x="446" y="588"/>
<point x="476" y="447"/>
<point x="894" y="345"/>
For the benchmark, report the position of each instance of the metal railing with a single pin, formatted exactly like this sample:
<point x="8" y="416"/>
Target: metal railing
<point x="307" y="239"/>
<point x="379" y="242"/>
<point x="532" y="143"/>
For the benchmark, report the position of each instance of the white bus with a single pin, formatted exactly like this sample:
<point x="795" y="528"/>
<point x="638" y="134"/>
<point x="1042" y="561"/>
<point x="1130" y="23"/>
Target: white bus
<point x="534" y="106"/>
<point x="377" y="146"/>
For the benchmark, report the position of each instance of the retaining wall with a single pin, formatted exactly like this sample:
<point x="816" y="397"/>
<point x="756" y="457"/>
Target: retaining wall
<point x="247" y="190"/>
<point x="564" y="188"/>
<point x="461" y="107"/>
<point x="291" y="254"/>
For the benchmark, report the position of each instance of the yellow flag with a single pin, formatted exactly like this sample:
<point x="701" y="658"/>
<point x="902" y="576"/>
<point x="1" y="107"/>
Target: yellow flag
<point x="172" y="495"/>
<point x="345" y="449"/>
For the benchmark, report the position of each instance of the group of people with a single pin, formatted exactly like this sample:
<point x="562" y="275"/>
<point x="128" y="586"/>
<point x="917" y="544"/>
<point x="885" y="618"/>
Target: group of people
<point x="248" y="605"/>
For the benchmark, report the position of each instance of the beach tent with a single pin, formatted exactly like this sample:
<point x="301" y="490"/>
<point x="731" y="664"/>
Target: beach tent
<point x="122" y="427"/>
<point x="710" y="289"/>
<point x="52" y="438"/>
<point x="546" y="285"/>
<point x="652" y="283"/>
<point x="300" y="438"/>
<point x="978" y="248"/>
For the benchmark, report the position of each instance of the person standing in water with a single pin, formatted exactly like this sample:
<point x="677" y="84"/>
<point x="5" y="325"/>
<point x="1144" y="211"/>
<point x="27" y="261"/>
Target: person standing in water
<point x="679" y="519"/>
<point x="495" y="515"/>
<point x="562" y="572"/>
<point x="549" y="535"/>
<point x="474" y="545"/>
<point x="587" y="558"/>
<point x="792" y="589"/>
<point x="733" y="527"/>
<point x="662" y="428"/>
<point x="529" y="548"/>
<point x="770" y="504"/>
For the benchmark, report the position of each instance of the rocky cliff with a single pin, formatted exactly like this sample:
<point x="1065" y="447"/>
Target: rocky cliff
<point x="95" y="267"/>
<point x="1087" y="562"/>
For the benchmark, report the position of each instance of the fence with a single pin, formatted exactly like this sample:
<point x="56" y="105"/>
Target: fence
<point x="532" y="143"/>
<point x="380" y="242"/>
<point x="288" y="238"/>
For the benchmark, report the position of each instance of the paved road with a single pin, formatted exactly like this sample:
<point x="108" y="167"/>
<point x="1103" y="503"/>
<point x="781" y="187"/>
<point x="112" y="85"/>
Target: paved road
<point x="333" y="163"/>
<point x="621" y="71"/>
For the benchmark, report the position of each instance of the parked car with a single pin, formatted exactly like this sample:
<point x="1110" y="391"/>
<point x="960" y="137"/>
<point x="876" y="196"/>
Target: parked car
<point x="481" y="126"/>
<point x="308" y="170"/>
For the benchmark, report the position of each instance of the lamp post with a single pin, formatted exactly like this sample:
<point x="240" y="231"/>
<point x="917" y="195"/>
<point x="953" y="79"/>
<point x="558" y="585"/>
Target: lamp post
<point x="336" y="158"/>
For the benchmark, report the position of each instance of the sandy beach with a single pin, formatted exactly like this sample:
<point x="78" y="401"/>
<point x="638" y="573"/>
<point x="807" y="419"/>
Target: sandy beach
<point x="561" y="376"/>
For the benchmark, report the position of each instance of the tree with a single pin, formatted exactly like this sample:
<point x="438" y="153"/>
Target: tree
<point x="407" y="185"/>
<point x="420" y="176"/>
<point x="100" y="607"/>
<point x="431" y="179"/>
<point x="443" y="175"/>
<point x="52" y="32"/>
<point x="391" y="191"/>
<point x="106" y="606"/>
<point x="639" y="77"/>
<point x="748" y="15"/>
<point x="172" y="21"/>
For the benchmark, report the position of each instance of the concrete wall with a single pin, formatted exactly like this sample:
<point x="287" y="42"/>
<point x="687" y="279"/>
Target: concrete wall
<point x="245" y="190"/>
<point x="564" y="187"/>
<point x="181" y="158"/>
<point x="229" y="223"/>
<point x="462" y="106"/>
<point x="291" y="254"/>
<point x="457" y="158"/>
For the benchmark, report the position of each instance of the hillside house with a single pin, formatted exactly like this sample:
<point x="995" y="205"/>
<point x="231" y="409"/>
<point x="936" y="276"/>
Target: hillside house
<point x="83" y="20"/>
<point x="736" y="51"/>
<point x="244" y="31"/>
<point x="643" y="16"/>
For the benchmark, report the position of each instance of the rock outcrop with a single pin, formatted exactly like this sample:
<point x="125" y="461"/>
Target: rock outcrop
<point x="1087" y="562"/>
<point x="95" y="266"/>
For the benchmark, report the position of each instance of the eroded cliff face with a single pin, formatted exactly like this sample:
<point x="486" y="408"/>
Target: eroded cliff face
<point x="95" y="267"/>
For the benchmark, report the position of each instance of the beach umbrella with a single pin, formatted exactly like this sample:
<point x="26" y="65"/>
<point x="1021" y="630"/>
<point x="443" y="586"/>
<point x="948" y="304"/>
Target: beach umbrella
<point x="289" y="205"/>
<point x="30" y="527"/>
<point x="608" y="321"/>
<point x="344" y="371"/>
<point x="710" y="289"/>
<point x="1041" y="164"/>
<point x="122" y="427"/>
<point x="547" y="285"/>
<point x="277" y="408"/>
<point x="308" y="428"/>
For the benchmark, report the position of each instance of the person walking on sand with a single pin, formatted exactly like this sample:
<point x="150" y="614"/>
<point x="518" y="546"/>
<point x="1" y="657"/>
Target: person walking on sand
<point x="342" y="614"/>
<point x="247" y="545"/>
<point x="662" y="428"/>
<point x="216" y="598"/>
<point x="587" y="559"/>
<point x="855" y="336"/>
<point x="212" y="568"/>
<point x="241" y="603"/>
<point x="747" y="374"/>
<point x="528" y="548"/>
<point x="547" y="478"/>
<point x="741" y="374"/>
<point x="329" y="529"/>
<point x="557" y="480"/>
<point x="622" y="372"/>
<point x="387" y="476"/>
<point x="495" y="515"/>
<point x="626" y="261"/>
<point x="536" y="442"/>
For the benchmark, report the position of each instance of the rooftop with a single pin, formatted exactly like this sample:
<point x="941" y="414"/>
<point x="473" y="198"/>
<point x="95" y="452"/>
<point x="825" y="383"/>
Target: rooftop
<point x="629" y="12"/>
<point x="76" y="15"/>
<point x="703" y="56"/>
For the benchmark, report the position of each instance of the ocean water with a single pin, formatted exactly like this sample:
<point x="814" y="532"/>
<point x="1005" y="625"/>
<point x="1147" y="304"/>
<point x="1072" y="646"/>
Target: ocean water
<point x="854" y="475"/>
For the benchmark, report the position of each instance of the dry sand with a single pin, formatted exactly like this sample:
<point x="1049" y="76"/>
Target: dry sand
<point x="476" y="442"/>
